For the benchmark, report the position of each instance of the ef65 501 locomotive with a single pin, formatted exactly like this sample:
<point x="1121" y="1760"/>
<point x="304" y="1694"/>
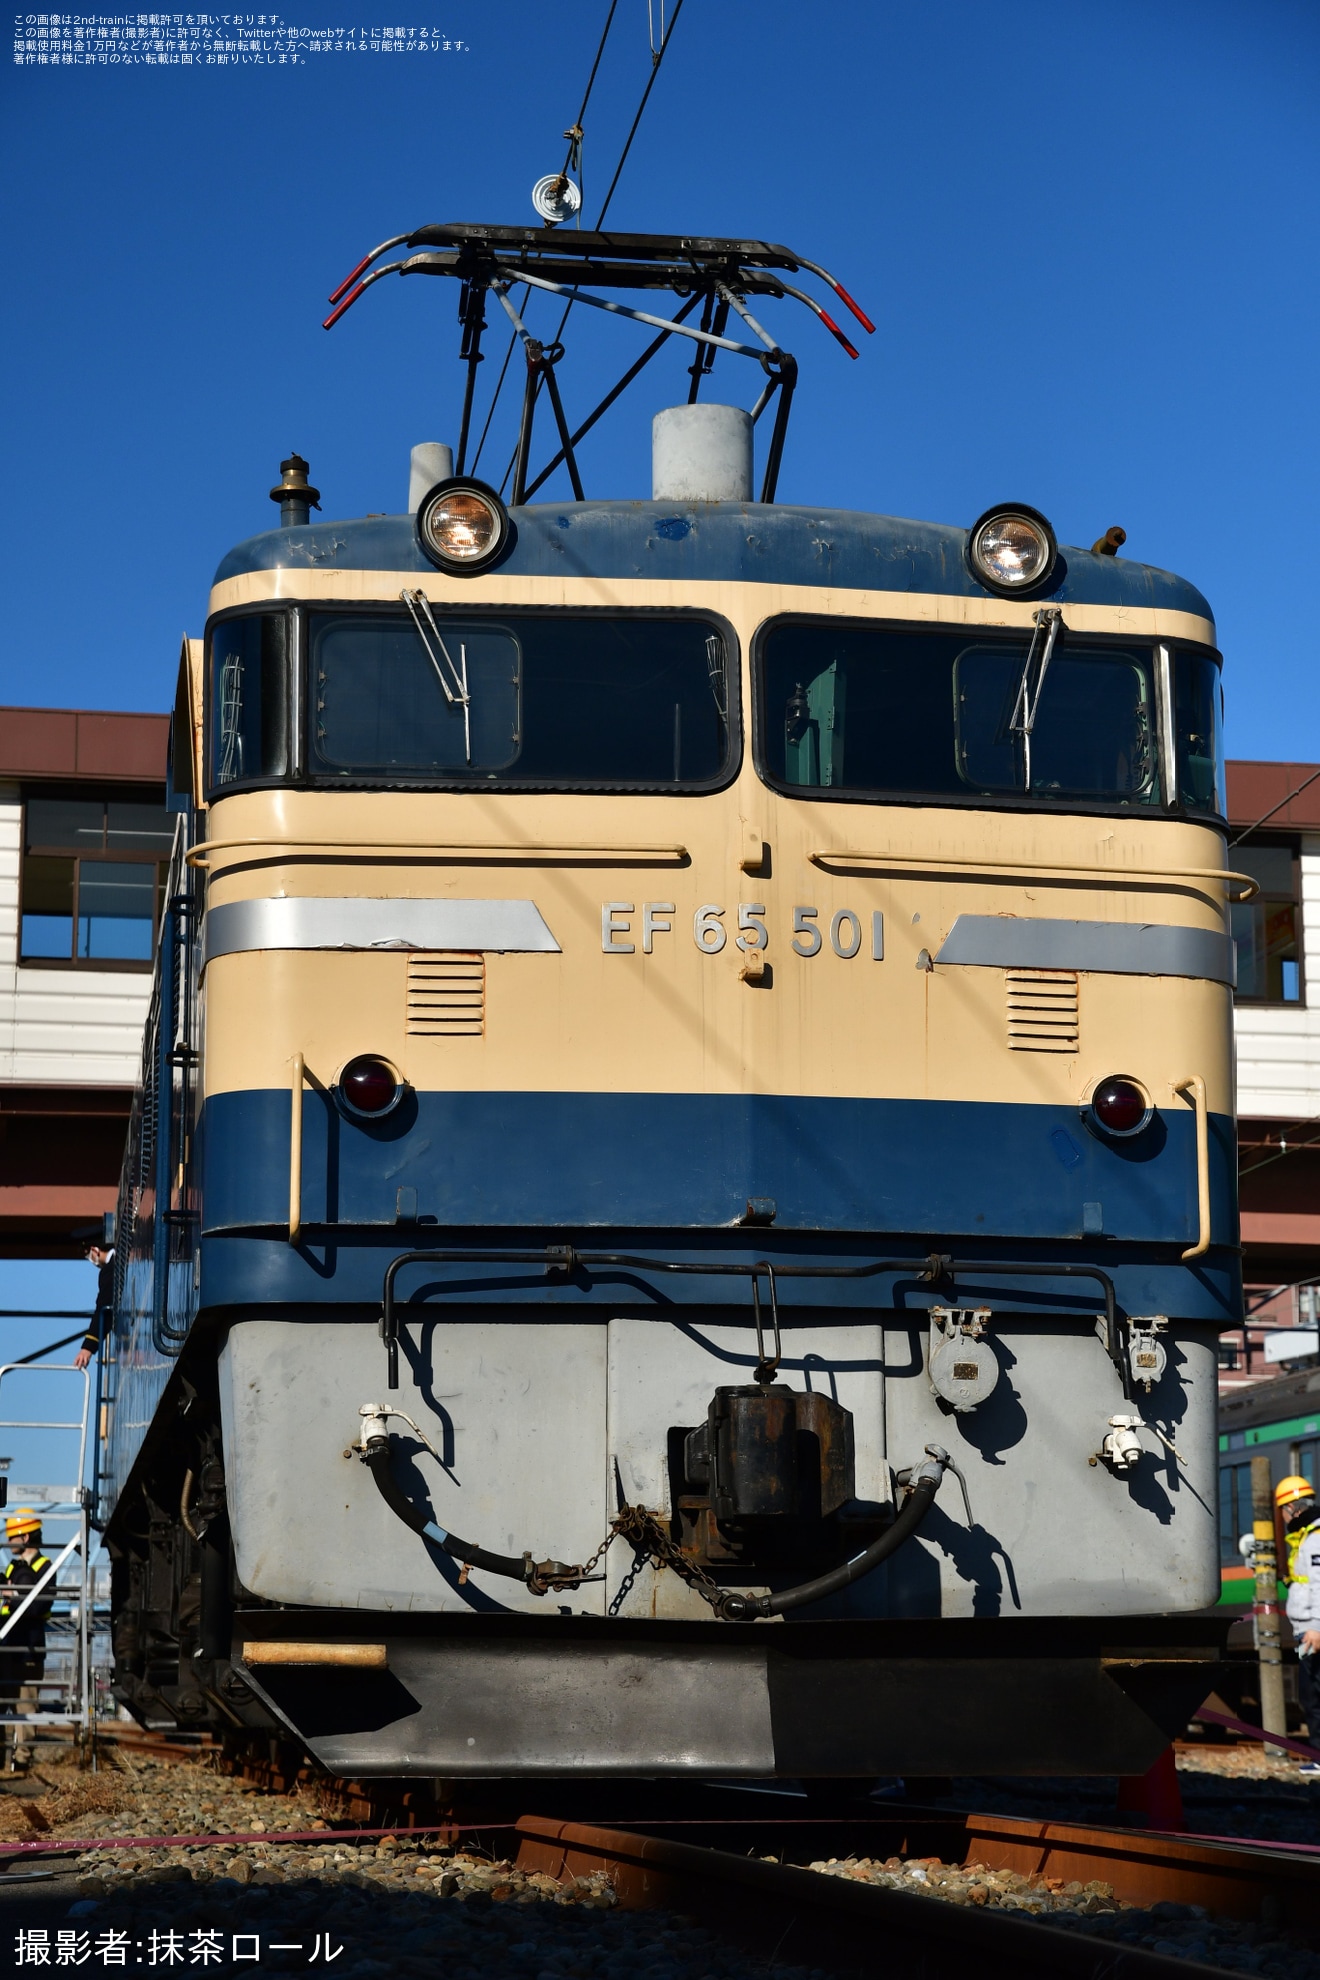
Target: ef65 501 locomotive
<point x="682" y="1195"/>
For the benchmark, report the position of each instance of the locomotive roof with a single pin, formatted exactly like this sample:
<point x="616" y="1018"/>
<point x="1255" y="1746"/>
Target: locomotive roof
<point x="714" y="542"/>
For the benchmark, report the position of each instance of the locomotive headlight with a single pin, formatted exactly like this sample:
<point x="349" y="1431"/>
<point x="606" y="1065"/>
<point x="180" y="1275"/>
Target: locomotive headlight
<point x="369" y="1087"/>
<point x="1119" y="1107"/>
<point x="462" y="526"/>
<point x="1011" y="549"/>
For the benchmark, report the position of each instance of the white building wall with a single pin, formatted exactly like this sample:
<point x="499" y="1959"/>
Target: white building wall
<point x="1278" y="1050"/>
<point x="69" y="1027"/>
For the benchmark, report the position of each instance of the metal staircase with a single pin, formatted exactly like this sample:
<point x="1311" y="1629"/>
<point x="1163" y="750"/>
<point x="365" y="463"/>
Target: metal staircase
<point x="78" y="1626"/>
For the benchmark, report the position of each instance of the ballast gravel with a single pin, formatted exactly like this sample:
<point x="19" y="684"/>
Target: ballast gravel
<point x="1183" y="1931"/>
<point x="411" y="1907"/>
<point x="393" y="1909"/>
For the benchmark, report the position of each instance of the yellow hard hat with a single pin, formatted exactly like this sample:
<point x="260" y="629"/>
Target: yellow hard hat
<point x="22" y="1520"/>
<point x="1289" y="1490"/>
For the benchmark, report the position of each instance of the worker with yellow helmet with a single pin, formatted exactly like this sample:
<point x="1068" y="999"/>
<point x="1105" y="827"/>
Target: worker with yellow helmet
<point x="1295" y="1498"/>
<point x="23" y="1648"/>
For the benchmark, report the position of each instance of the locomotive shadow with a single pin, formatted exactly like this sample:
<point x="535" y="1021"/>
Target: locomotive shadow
<point x="412" y="1482"/>
<point x="1158" y="1476"/>
<point x="912" y="1583"/>
<point x="1000" y="1421"/>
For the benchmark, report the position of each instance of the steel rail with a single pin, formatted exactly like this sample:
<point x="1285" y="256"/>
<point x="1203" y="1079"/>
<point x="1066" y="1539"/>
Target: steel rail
<point x="803" y="1918"/>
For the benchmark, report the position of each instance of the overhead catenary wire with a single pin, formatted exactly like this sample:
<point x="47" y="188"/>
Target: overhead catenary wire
<point x="574" y="135"/>
<point x="1274" y="810"/>
<point x="656" y="62"/>
<point x="39" y="1354"/>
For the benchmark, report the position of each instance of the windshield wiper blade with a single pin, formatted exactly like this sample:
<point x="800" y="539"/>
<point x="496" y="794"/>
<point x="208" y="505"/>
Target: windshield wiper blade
<point x="1047" y="622"/>
<point x="455" y="686"/>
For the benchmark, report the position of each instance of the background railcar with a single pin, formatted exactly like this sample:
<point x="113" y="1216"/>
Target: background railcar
<point x="704" y="1028"/>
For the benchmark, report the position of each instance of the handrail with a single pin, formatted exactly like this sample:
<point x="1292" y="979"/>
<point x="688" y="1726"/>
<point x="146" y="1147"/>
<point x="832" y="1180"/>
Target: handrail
<point x="27" y="1423"/>
<point x="197" y="858"/>
<point x="1171" y="875"/>
<point x="295" y="1150"/>
<point x="936" y="1268"/>
<point x="1195" y="1086"/>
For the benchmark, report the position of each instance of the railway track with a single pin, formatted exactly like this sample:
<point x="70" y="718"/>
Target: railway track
<point x="800" y="1917"/>
<point x="743" y="1876"/>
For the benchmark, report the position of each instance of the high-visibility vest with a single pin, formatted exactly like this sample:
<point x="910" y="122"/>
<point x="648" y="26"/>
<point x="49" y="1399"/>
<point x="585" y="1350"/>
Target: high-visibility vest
<point x="1294" y="1542"/>
<point x="42" y="1561"/>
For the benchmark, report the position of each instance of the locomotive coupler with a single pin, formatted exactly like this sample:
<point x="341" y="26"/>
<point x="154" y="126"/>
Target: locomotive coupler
<point x="767" y="1451"/>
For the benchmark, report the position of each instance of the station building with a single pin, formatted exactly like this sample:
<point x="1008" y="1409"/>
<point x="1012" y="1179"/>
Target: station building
<point x="85" y="838"/>
<point x="1274" y="811"/>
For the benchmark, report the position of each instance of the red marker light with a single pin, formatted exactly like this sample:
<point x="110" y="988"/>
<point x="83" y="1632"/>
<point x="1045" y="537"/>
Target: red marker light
<point x="369" y="1085"/>
<point x="1119" y="1106"/>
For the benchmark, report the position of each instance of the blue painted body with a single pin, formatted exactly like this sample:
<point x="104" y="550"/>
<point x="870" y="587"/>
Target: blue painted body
<point x="691" y="1161"/>
<point x="671" y="1174"/>
<point x="727" y="542"/>
<point x="849" y="1178"/>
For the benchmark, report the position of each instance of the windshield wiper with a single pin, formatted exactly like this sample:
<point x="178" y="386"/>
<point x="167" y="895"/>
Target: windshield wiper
<point x="1048" y="622"/>
<point x="455" y="685"/>
<point x="717" y="675"/>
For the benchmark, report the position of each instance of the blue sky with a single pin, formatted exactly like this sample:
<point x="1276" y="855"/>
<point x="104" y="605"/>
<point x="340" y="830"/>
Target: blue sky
<point x="1086" y="234"/>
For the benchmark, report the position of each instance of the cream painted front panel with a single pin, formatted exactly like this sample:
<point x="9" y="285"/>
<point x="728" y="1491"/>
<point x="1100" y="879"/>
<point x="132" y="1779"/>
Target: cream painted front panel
<point x="681" y="1019"/>
<point x="677" y="1018"/>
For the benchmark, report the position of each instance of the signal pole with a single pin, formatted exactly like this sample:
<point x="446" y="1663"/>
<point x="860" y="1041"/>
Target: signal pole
<point x="1273" y="1712"/>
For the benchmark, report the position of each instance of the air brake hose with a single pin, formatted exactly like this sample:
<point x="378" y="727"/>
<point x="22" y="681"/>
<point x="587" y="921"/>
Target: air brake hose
<point x="377" y="1456"/>
<point x="926" y="1483"/>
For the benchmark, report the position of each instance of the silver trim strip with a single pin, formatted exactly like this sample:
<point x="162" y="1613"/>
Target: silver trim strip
<point x="333" y="922"/>
<point x="1111" y="948"/>
<point x="1167" y="733"/>
<point x="297" y="668"/>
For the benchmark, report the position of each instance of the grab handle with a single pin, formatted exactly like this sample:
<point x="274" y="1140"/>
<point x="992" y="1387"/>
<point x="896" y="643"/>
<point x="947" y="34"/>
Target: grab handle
<point x="1194" y="1087"/>
<point x="295" y="1150"/>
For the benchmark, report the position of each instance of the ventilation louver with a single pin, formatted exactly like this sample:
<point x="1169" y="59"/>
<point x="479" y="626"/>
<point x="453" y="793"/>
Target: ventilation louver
<point x="1042" y="1010"/>
<point x="446" y="995"/>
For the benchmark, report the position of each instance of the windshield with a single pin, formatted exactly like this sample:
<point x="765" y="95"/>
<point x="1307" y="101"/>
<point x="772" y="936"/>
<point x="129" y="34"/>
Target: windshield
<point x="249" y="698"/>
<point x="870" y="710"/>
<point x="421" y="695"/>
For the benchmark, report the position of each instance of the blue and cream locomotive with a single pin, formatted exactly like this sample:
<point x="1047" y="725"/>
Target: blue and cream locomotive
<point x="682" y="1196"/>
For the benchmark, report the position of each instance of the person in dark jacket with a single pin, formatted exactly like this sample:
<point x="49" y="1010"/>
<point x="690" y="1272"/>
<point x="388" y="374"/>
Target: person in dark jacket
<point x="103" y="1257"/>
<point x="23" y="1646"/>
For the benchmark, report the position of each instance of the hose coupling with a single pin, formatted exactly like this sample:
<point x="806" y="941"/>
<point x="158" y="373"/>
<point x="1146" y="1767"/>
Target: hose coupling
<point x="732" y="1607"/>
<point x="938" y="1461"/>
<point x="375" y="1426"/>
<point x="546" y="1577"/>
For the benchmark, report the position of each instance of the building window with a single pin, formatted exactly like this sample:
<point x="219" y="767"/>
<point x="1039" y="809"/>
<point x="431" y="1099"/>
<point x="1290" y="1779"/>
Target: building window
<point x="1235" y="1516"/>
<point x="1267" y="930"/>
<point x="93" y="874"/>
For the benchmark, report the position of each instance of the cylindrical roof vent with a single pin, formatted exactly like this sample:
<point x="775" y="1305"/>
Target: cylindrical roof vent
<point x="701" y="454"/>
<point x="432" y="461"/>
<point x="295" y="495"/>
